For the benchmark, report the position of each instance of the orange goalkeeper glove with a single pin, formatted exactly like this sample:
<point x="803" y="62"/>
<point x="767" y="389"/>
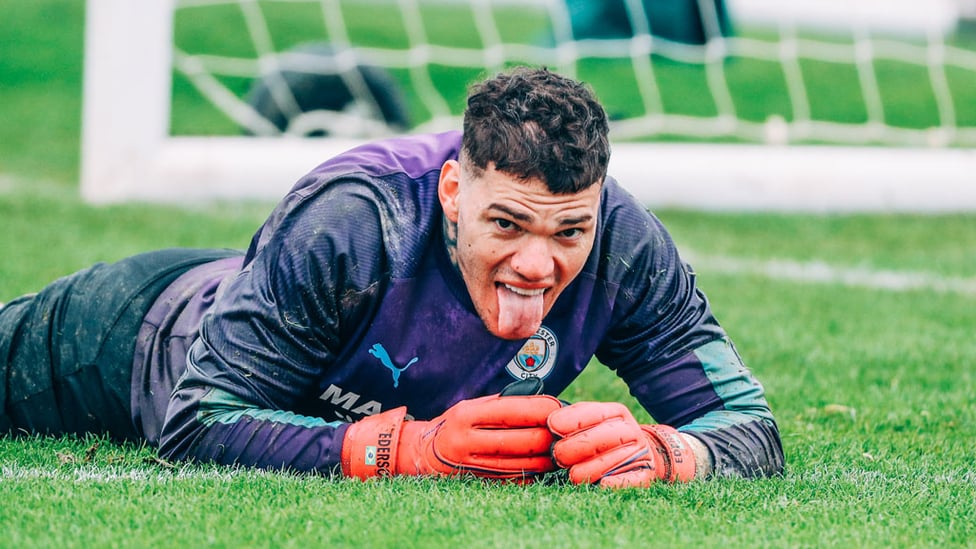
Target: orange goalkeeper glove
<point x="498" y="437"/>
<point x="601" y="443"/>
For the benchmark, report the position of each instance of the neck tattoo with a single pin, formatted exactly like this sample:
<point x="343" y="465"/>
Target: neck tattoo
<point x="450" y="230"/>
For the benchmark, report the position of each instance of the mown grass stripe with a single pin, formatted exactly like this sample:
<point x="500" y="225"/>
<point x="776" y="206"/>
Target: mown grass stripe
<point x="819" y="272"/>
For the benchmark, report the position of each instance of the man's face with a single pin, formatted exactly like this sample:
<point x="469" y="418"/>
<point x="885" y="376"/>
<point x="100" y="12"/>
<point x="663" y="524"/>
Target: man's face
<point x="518" y="244"/>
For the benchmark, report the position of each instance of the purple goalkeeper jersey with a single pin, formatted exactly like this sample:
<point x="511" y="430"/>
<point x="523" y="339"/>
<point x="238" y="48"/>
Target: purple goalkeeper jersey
<point x="346" y="304"/>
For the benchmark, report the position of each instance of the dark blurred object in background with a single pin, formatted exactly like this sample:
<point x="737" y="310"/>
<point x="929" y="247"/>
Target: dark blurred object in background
<point x="687" y="21"/>
<point x="364" y="101"/>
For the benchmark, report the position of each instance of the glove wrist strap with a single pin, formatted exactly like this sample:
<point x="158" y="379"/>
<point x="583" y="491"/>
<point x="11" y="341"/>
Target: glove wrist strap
<point x="369" y="448"/>
<point x="678" y="458"/>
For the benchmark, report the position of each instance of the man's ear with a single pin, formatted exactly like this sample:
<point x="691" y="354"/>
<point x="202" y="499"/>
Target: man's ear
<point x="448" y="187"/>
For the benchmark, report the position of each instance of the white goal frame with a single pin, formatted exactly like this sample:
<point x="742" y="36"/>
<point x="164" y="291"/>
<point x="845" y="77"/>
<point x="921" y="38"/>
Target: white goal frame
<point x="128" y="154"/>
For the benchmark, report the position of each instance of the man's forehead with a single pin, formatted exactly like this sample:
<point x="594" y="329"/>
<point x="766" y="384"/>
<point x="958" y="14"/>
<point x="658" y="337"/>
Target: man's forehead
<point x="563" y="216"/>
<point x="492" y="179"/>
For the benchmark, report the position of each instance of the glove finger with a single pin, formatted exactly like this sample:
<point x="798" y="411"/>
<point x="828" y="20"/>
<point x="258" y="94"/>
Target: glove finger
<point x="505" y="467"/>
<point x="504" y="452"/>
<point x="641" y="477"/>
<point x="497" y="412"/>
<point x="597" y="440"/>
<point x="619" y="460"/>
<point x="584" y="415"/>
<point x="462" y="446"/>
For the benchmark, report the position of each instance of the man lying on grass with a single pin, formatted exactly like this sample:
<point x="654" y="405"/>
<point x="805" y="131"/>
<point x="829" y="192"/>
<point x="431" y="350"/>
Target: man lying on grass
<point x="378" y="315"/>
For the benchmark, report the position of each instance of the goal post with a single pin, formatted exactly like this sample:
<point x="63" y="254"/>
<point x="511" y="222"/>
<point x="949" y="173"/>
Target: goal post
<point x="128" y="152"/>
<point x="126" y="96"/>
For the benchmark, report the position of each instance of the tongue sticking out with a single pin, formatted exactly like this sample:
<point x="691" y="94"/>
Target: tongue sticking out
<point x="519" y="316"/>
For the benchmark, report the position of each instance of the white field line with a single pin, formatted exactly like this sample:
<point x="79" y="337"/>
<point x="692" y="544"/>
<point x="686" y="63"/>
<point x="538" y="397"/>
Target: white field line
<point x="106" y="474"/>
<point x="819" y="272"/>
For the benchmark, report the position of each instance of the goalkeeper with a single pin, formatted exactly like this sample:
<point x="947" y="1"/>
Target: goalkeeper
<point x="378" y="315"/>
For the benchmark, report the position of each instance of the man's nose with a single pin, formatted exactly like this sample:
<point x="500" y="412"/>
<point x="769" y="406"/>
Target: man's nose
<point x="534" y="260"/>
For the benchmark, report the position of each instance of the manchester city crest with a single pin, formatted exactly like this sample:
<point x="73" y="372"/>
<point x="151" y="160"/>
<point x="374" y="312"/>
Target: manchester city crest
<point x="537" y="357"/>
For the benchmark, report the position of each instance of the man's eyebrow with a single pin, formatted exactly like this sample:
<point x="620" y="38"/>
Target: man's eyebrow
<point x="576" y="220"/>
<point x="526" y="218"/>
<point x="518" y="216"/>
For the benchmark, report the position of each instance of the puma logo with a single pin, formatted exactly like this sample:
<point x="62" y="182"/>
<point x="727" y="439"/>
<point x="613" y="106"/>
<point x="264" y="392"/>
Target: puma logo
<point x="380" y="353"/>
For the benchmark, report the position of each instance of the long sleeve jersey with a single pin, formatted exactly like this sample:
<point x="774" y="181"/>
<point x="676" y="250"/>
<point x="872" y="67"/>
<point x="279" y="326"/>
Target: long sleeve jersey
<point x="346" y="304"/>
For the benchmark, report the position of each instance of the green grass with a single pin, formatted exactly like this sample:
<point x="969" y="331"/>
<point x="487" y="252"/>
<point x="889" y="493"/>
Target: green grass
<point x="40" y="88"/>
<point x="873" y="389"/>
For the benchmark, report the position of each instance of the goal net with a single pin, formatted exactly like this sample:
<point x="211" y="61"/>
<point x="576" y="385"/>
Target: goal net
<point x="716" y="104"/>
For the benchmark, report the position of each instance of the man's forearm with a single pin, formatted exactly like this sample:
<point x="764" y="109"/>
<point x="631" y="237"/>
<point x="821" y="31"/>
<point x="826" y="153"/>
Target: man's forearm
<point x="750" y="449"/>
<point x="218" y="428"/>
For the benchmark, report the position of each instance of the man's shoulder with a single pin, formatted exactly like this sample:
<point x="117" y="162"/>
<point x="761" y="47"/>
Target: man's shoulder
<point x="622" y="212"/>
<point x="392" y="180"/>
<point x="631" y="236"/>
<point x="413" y="156"/>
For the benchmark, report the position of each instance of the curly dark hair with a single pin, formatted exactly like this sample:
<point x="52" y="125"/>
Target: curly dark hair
<point x="533" y="123"/>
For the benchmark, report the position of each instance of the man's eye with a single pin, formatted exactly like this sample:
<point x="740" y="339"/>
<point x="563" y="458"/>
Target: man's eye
<point x="571" y="233"/>
<point x="505" y="224"/>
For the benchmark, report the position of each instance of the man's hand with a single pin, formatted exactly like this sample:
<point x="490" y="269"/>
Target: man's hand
<point x="499" y="437"/>
<point x="601" y="443"/>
